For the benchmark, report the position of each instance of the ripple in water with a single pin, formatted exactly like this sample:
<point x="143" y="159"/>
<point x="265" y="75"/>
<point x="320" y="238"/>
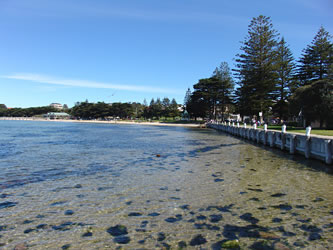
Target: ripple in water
<point x="97" y="186"/>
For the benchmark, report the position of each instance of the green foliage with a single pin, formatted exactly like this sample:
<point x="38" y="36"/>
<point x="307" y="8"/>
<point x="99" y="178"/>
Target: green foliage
<point x="101" y="110"/>
<point x="315" y="71"/>
<point x="256" y="68"/>
<point x="187" y="99"/>
<point x="291" y="124"/>
<point x="26" y="112"/>
<point x="158" y="109"/>
<point x="315" y="101"/>
<point x="197" y="106"/>
<point x="226" y="88"/>
<point x="317" y="59"/>
<point x="212" y="95"/>
<point x="166" y="107"/>
<point x="209" y="90"/>
<point x="138" y="109"/>
<point x="285" y="84"/>
<point x="268" y="81"/>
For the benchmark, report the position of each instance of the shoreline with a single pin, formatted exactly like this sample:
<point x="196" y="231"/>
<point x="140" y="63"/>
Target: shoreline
<point x="190" y="125"/>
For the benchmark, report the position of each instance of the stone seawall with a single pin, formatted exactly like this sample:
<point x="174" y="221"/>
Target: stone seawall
<point x="310" y="146"/>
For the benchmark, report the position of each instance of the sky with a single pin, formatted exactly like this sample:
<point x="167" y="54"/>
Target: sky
<point x="68" y="51"/>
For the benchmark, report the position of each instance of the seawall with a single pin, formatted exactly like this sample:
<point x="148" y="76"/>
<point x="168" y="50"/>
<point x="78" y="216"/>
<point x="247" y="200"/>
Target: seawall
<point x="320" y="148"/>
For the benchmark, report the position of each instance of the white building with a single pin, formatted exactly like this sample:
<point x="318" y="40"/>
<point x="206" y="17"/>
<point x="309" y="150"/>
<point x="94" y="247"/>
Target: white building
<point x="56" y="106"/>
<point x="57" y="115"/>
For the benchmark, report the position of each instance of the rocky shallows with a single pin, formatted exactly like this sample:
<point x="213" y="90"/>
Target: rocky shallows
<point x="203" y="191"/>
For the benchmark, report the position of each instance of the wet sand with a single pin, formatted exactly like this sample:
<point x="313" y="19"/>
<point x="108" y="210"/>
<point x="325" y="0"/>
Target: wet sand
<point x="188" y="125"/>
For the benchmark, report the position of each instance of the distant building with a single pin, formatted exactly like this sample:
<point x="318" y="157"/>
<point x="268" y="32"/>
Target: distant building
<point x="56" y="106"/>
<point x="235" y="117"/>
<point x="57" y="115"/>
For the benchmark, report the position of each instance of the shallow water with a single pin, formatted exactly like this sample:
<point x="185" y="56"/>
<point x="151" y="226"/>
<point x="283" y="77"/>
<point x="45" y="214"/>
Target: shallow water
<point x="100" y="186"/>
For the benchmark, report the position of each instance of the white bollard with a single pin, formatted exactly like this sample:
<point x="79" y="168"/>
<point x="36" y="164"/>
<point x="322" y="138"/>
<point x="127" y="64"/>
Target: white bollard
<point x="228" y="123"/>
<point x="233" y="124"/>
<point x="237" y="124"/>
<point x="284" y="128"/>
<point x="244" y="125"/>
<point x="255" y="126"/>
<point x="265" y="127"/>
<point x="308" y="131"/>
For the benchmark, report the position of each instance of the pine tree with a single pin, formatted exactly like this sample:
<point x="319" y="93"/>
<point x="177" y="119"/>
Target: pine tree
<point x="165" y="107"/>
<point x="285" y="69"/>
<point x="174" y="112"/>
<point x="158" y="108"/>
<point x="256" y="68"/>
<point x="226" y="88"/>
<point x="330" y="72"/>
<point x="317" y="58"/>
<point x="187" y="97"/>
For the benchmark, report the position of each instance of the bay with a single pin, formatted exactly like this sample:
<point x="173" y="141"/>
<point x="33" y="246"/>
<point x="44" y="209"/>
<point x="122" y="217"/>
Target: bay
<point x="102" y="186"/>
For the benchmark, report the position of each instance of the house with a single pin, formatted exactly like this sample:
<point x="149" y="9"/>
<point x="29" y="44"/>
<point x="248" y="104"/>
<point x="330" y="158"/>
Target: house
<point x="56" y="106"/>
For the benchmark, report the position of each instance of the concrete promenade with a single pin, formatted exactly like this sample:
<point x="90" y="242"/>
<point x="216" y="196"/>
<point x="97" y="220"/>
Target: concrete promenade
<point x="315" y="147"/>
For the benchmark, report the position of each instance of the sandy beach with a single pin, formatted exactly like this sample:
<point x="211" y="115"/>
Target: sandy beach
<point x="189" y="125"/>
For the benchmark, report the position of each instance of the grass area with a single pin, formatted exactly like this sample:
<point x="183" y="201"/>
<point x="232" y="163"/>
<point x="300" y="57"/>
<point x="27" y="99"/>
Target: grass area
<point x="314" y="131"/>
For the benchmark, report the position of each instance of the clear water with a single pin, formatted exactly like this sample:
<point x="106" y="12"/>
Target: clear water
<point x="68" y="185"/>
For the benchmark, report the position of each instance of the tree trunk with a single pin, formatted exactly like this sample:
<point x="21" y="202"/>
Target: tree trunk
<point x="321" y="123"/>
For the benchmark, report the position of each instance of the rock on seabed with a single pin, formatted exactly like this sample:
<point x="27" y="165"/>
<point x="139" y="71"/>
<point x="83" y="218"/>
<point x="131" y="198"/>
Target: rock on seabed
<point x="198" y="240"/>
<point x="117" y="230"/>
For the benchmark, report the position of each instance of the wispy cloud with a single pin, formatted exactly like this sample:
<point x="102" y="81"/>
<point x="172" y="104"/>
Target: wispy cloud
<point x="165" y="15"/>
<point x="86" y="84"/>
<point x="71" y="9"/>
<point x="322" y="7"/>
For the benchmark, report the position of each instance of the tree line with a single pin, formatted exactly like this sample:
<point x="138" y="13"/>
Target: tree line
<point x="25" y="112"/>
<point x="157" y="109"/>
<point x="269" y="81"/>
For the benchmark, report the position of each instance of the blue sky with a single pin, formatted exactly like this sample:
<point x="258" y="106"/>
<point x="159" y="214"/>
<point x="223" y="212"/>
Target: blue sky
<point x="127" y="50"/>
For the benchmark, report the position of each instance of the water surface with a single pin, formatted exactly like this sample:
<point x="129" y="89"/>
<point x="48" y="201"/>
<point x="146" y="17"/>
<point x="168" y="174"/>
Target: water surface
<point x="100" y="186"/>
